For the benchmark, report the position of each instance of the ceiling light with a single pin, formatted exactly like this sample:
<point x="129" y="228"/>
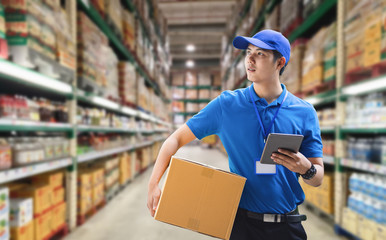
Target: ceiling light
<point x="190" y="48"/>
<point x="365" y="87"/>
<point x="33" y="77"/>
<point x="189" y="63"/>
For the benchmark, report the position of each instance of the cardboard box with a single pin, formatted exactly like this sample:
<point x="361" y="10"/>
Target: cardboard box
<point x="4" y="201"/>
<point x="43" y="225"/>
<point x="21" y="211"/>
<point x="58" y="216"/>
<point x="380" y="232"/>
<point x="350" y="221"/>
<point x="200" y="198"/>
<point x="54" y="179"/>
<point x="4" y="226"/>
<point x="41" y="195"/>
<point x="57" y="196"/>
<point x="25" y="232"/>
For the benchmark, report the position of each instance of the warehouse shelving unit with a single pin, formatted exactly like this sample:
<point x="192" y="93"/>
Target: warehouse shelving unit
<point x="30" y="80"/>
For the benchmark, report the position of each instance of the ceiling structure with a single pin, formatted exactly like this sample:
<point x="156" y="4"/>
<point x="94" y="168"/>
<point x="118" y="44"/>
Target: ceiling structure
<point x="198" y="22"/>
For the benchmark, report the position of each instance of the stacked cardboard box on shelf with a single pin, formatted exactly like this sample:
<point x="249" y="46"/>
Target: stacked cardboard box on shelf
<point x="204" y="79"/>
<point x="90" y="40"/>
<point x="4" y="213"/>
<point x="124" y="168"/>
<point x="312" y="72"/>
<point x="129" y="29"/>
<point x="84" y="192"/>
<point x="47" y="195"/>
<point x="191" y="107"/>
<point x="113" y="16"/>
<point x="204" y="94"/>
<point x="191" y="79"/>
<point x="178" y="79"/>
<point x="290" y="15"/>
<point x="292" y="75"/>
<point x="329" y="54"/>
<point x="21" y="215"/>
<point x="127" y="82"/>
<point x="143" y="94"/>
<point x="98" y="185"/>
<point x="322" y="197"/>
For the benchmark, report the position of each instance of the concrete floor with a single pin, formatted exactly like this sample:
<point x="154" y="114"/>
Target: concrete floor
<point x="126" y="217"/>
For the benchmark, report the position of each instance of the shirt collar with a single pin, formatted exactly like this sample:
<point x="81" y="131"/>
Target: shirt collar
<point x="262" y="100"/>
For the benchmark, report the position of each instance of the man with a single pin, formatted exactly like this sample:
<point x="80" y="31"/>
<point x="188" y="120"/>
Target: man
<point x="243" y="119"/>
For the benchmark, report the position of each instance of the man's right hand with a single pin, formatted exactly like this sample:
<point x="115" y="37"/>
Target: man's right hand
<point x="154" y="193"/>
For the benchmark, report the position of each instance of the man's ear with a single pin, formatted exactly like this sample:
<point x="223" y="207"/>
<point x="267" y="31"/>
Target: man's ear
<point x="281" y="62"/>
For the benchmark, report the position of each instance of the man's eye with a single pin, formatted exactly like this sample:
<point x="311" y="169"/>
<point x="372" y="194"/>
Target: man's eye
<point x="260" y="53"/>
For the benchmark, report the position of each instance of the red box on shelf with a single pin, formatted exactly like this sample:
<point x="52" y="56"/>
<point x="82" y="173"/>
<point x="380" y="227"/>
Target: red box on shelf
<point x="3" y="49"/>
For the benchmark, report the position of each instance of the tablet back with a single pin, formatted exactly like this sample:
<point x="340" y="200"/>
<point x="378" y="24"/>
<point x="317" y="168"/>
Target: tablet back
<point x="275" y="141"/>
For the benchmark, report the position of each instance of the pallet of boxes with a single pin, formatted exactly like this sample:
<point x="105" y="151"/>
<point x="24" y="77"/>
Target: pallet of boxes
<point x="42" y="201"/>
<point x="90" y="192"/>
<point x="124" y="168"/>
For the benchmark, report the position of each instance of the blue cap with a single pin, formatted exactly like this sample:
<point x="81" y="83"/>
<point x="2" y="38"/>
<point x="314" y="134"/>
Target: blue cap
<point x="266" y="39"/>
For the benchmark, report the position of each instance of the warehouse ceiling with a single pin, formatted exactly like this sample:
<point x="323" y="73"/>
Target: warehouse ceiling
<point x="201" y="23"/>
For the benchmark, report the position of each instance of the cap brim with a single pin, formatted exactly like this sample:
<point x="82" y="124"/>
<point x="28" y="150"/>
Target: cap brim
<point x="243" y="42"/>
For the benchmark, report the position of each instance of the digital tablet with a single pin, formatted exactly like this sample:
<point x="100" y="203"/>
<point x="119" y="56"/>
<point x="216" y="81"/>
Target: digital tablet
<point x="275" y="141"/>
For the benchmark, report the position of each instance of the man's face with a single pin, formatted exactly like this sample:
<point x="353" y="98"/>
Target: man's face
<point x="259" y="64"/>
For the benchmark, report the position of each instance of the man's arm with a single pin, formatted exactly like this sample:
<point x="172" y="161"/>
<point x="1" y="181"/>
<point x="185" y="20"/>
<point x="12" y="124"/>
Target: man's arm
<point x="179" y="138"/>
<point x="298" y="163"/>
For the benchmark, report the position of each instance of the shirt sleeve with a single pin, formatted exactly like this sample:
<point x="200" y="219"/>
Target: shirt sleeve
<point x="208" y="120"/>
<point x="312" y="146"/>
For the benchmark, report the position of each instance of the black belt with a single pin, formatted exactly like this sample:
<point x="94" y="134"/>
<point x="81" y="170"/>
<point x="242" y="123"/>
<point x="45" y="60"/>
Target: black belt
<point x="290" y="217"/>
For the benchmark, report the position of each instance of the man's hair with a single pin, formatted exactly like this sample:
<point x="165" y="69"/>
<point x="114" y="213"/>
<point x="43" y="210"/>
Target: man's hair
<point x="276" y="56"/>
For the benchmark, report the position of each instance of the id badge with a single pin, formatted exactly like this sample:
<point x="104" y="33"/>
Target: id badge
<point x="266" y="169"/>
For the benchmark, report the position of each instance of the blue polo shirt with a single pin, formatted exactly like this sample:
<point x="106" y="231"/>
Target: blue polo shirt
<point x="232" y="117"/>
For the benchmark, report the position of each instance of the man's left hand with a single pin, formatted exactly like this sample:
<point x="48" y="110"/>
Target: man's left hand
<point x="295" y="162"/>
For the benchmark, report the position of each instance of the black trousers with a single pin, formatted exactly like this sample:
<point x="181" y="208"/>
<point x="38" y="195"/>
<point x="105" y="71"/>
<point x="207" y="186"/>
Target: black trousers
<point x="246" y="228"/>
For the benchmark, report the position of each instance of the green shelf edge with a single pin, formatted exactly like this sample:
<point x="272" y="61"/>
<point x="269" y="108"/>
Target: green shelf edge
<point x="185" y="113"/>
<point x="20" y="128"/>
<point x="271" y="5"/>
<point x="105" y="130"/>
<point x="363" y="130"/>
<point x="98" y="20"/>
<point x="312" y="19"/>
<point x="343" y="96"/>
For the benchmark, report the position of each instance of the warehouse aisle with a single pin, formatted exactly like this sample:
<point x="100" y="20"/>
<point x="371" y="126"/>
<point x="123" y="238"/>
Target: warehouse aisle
<point x="126" y="216"/>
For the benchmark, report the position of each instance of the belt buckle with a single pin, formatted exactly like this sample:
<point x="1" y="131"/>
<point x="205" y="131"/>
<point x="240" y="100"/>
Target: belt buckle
<point x="269" y="218"/>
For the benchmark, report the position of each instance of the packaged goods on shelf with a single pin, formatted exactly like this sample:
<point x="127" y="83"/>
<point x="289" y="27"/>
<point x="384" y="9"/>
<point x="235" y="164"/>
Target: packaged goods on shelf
<point x="55" y="180"/>
<point x="329" y="58"/>
<point x="143" y="93"/>
<point x="4" y="201"/>
<point x="124" y="168"/>
<point x="128" y="22"/>
<point x="312" y="72"/>
<point x="21" y="211"/>
<point x="290" y="15"/>
<point x="367" y="110"/>
<point x="367" y="149"/>
<point x="114" y="15"/>
<point x="204" y="93"/>
<point x="368" y="197"/>
<point x="25" y="232"/>
<point x="327" y="117"/>
<point x="190" y="79"/>
<point x="191" y="107"/>
<point x="90" y="40"/>
<point x="178" y="119"/>
<point x="139" y="43"/>
<point x="127" y="82"/>
<point x="4" y="227"/>
<point x="178" y="93"/>
<point x="109" y="64"/>
<point x="322" y="197"/>
<point x="84" y="192"/>
<point x="272" y="21"/>
<point x="58" y="216"/>
<point x="292" y="75"/>
<point x="43" y="227"/>
<point x="204" y="79"/>
<point x="40" y="193"/>
<point x="5" y="154"/>
<point x="201" y="106"/>
<point x="214" y="93"/>
<point x="3" y="41"/>
<point x="100" y="142"/>
<point x="191" y="94"/>
<point x="216" y="79"/>
<point x="328" y="146"/>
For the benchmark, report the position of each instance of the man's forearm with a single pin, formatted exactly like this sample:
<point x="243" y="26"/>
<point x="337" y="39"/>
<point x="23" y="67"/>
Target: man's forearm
<point x="168" y="149"/>
<point x="316" y="181"/>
